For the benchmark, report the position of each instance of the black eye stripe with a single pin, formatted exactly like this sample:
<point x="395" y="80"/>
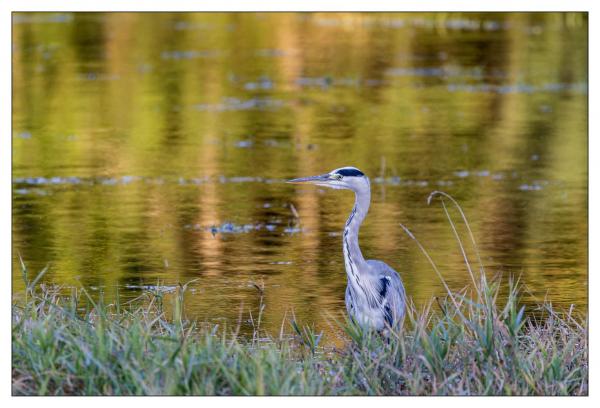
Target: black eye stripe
<point x="350" y="172"/>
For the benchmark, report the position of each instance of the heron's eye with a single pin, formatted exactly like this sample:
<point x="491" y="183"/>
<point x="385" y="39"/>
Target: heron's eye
<point x="339" y="176"/>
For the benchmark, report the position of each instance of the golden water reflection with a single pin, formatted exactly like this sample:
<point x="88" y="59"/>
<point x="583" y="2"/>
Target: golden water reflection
<point x="153" y="148"/>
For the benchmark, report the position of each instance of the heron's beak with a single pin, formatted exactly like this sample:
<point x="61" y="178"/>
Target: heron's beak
<point x="323" y="178"/>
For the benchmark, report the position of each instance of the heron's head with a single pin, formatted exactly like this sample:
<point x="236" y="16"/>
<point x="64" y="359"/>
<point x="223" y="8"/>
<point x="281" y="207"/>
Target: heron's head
<point x="344" y="178"/>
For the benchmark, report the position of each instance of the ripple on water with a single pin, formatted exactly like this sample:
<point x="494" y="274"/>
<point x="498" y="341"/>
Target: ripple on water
<point x="95" y="76"/>
<point x="153" y="288"/>
<point x="326" y="82"/>
<point x="454" y="24"/>
<point x="576" y="88"/>
<point x="244" y="144"/>
<point x="189" y="54"/>
<point x="271" y="52"/>
<point x="235" y="104"/>
<point x="262" y="83"/>
<point x="533" y="186"/>
<point x="232" y="228"/>
<point x="36" y="191"/>
<point x="44" y="180"/>
<point x="43" y="18"/>
<point x="36" y="182"/>
<point x="128" y="179"/>
<point x="24" y="135"/>
<point x="443" y="72"/>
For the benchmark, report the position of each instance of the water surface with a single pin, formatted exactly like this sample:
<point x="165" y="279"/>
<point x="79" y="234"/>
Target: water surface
<point x="151" y="149"/>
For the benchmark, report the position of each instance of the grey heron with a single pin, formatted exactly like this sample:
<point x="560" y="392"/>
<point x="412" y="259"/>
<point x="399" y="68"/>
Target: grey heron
<point x="375" y="296"/>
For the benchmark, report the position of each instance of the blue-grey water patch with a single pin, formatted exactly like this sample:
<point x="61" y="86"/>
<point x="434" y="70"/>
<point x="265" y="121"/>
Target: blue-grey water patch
<point x="53" y="18"/>
<point x="190" y="54"/>
<point x="236" y="104"/>
<point x="445" y="72"/>
<point x="262" y="83"/>
<point x="98" y="76"/>
<point x="326" y="82"/>
<point x="577" y="88"/>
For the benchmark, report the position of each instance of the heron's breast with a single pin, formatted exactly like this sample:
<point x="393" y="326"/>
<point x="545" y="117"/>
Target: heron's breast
<point x="366" y="315"/>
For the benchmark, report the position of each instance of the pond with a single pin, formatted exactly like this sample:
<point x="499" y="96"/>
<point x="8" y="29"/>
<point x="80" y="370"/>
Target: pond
<point x="151" y="149"/>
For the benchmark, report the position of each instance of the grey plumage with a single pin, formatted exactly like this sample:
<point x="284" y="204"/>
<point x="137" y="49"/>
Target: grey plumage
<point x="375" y="296"/>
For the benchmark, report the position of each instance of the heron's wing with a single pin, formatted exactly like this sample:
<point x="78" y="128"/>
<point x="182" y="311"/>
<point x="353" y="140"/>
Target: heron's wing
<point x="391" y="291"/>
<point x="349" y="301"/>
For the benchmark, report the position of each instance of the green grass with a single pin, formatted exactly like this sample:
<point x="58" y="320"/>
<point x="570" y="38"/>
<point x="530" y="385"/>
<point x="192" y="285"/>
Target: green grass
<point x="468" y="343"/>
<point x="456" y="346"/>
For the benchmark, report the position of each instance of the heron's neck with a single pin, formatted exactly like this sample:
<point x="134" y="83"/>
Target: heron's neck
<point x="353" y="258"/>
